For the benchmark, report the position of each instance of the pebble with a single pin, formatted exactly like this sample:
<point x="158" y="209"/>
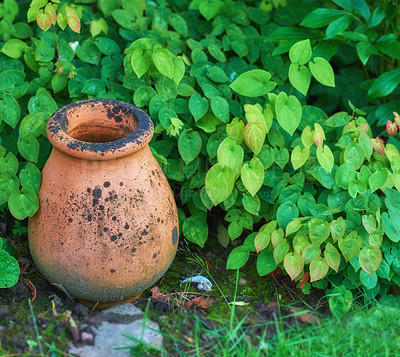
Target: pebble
<point x="87" y="338"/>
<point x="242" y="281"/>
<point x="109" y="336"/>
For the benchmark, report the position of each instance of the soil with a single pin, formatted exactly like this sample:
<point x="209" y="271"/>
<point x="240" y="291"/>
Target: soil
<point x="61" y="321"/>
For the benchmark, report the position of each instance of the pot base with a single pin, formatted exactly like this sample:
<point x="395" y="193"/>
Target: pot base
<point x="105" y="305"/>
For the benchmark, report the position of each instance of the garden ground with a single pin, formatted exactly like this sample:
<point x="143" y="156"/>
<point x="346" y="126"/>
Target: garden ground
<point x="269" y="312"/>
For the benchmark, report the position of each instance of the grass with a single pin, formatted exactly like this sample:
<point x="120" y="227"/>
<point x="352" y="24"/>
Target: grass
<point x="375" y="332"/>
<point x="370" y="329"/>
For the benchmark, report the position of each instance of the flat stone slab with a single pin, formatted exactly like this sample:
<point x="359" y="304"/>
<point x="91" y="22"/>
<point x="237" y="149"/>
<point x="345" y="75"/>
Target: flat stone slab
<point x="109" y="335"/>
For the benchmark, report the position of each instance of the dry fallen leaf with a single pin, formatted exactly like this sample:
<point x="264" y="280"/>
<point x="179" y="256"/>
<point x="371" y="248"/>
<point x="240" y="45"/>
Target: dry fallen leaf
<point x="238" y="303"/>
<point x="202" y="302"/>
<point x="189" y="339"/>
<point x="29" y="284"/>
<point x="272" y="305"/>
<point x="157" y="294"/>
<point x="304" y="280"/>
<point x="24" y="264"/>
<point x="303" y="316"/>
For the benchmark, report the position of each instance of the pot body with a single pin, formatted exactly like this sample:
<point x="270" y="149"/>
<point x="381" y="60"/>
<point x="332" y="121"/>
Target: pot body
<point x="105" y="229"/>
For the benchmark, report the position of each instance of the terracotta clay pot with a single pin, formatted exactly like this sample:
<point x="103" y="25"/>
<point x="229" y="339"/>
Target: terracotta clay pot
<point x="107" y="224"/>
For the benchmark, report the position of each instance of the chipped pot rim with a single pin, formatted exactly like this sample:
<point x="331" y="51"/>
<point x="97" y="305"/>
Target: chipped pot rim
<point x="127" y="145"/>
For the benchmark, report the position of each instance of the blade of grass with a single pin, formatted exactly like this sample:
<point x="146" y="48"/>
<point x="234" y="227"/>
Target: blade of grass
<point x="36" y="328"/>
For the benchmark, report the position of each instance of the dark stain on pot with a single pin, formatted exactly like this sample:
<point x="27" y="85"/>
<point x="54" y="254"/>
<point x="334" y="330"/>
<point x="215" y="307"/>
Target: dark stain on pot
<point x="107" y="184"/>
<point x="96" y="193"/>
<point x="174" y="235"/>
<point x="113" y="238"/>
<point x="144" y="232"/>
<point x="114" y="218"/>
<point x="119" y="234"/>
<point x="158" y="219"/>
<point x="126" y="226"/>
<point x="112" y="270"/>
<point x="89" y="218"/>
<point x="105" y="229"/>
<point x="133" y="250"/>
<point x="69" y="220"/>
<point x="121" y="183"/>
<point x="117" y="111"/>
<point x="101" y="208"/>
<point x="154" y="255"/>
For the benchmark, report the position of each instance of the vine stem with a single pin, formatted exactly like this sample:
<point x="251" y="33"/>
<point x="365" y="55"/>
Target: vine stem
<point x="116" y="79"/>
<point x="58" y="49"/>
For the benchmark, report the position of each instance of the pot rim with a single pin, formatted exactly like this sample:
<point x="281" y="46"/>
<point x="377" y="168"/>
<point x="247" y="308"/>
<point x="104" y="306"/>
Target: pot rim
<point x="127" y="145"/>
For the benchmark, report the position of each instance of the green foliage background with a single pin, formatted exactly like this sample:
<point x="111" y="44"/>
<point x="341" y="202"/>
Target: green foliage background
<point x="253" y="126"/>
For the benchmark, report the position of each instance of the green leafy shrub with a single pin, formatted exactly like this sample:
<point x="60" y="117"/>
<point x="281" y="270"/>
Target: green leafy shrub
<point x="9" y="267"/>
<point x="249" y="116"/>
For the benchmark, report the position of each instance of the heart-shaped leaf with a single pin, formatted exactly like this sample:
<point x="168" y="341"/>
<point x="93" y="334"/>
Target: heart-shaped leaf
<point x="195" y="229"/>
<point x="325" y="157"/>
<point x="163" y="62"/>
<point x="238" y="257"/>
<point x="370" y="258"/>
<point x="276" y="236"/>
<point x="344" y="174"/>
<point x="253" y="83"/>
<point x="332" y="256"/>
<point x="338" y="228"/>
<point x="9" y="270"/>
<point x="299" y="157"/>
<point x="299" y="243"/>
<point x="293" y="264"/>
<point x="280" y="251"/>
<point x="236" y="130"/>
<point x="198" y="106"/>
<point x="369" y="222"/>
<point x="220" y="108"/>
<point x="23" y="203"/>
<point x="265" y="262"/>
<point x="300" y="77"/>
<point x="319" y="230"/>
<point x="253" y="175"/>
<point x="231" y="155"/>
<point x="350" y="245"/>
<point x="140" y="62"/>
<point x="189" y="145"/>
<point x="288" y="112"/>
<point x="311" y="252"/>
<point x="318" y="269"/>
<point x="300" y="52"/>
<point x="262" y="240"/>
<point x="254" y="136"/>
<point x="219" y="183"/>
<point x="378" y="179"/>
<point x="357" y="187"/>
<point x="322" y="71"/>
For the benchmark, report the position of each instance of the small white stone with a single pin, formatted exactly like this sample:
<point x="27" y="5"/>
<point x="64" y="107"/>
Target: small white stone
<point x="87" y="337"/>
<point x="123" y="309"/>
<point x="242" y="281"/>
